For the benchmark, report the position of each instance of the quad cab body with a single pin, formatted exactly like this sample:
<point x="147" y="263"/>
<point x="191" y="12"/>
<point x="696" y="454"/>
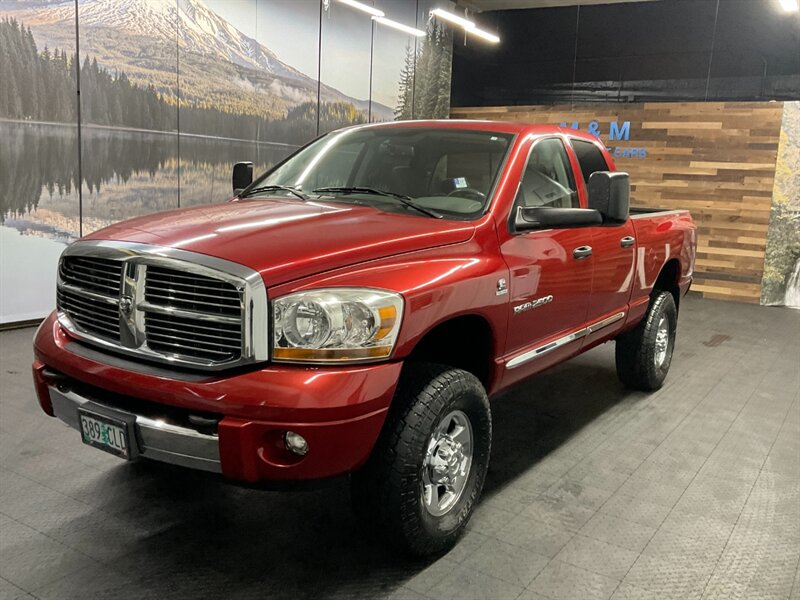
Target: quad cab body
<point x="353" y="310"/>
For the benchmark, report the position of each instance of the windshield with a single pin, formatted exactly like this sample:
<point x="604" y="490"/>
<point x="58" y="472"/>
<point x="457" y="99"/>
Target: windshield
<point x="449" y="172"/>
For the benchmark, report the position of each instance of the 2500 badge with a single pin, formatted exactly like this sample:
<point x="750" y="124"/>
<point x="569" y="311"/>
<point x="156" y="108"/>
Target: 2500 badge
<point x="532" y="304"/>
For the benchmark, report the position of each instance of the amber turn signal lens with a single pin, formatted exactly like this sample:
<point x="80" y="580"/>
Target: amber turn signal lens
<point x="329" y="354"/>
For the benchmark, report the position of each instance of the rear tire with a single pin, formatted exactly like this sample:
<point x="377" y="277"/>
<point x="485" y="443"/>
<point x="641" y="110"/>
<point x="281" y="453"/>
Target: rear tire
<point x="427" y="470"/>
<point x="644" y="354"/>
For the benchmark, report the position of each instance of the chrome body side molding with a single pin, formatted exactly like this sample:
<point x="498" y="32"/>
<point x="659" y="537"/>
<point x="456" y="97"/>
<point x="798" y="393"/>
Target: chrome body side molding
<point x="535" y="353"/>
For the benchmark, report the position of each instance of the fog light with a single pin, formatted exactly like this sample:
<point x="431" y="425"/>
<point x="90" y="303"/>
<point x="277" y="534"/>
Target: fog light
<point x="295" y="443"/>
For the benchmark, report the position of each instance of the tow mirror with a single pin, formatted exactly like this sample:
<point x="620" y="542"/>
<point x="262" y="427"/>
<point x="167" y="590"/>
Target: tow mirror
<point x="529" y="218"/>
<point x="610" y="193"/>
<point x="242" y="176"/>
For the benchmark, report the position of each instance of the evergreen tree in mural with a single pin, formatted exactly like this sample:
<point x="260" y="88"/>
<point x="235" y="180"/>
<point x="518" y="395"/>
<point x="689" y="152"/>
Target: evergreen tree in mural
<point x="425" y="79"/>
<point x="34" y="86"/>
<point x="405" y="103"/>
<point x="42" y="87"/>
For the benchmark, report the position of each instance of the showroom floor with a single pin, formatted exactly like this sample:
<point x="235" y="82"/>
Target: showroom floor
<point x="593" y="492"/>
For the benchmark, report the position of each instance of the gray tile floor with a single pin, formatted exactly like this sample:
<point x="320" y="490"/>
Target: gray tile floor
<point x="593" y="492"/>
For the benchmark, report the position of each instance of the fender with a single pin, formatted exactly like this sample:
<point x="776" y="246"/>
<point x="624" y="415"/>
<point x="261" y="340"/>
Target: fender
<point x="437" y="284"/>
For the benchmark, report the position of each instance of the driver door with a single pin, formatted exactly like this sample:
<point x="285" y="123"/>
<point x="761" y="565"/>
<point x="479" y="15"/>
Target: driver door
<point x="549" y="283"/>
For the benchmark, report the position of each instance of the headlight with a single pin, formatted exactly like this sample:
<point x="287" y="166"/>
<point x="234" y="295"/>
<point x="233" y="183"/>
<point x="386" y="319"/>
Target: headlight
<point x="336" y="325"/>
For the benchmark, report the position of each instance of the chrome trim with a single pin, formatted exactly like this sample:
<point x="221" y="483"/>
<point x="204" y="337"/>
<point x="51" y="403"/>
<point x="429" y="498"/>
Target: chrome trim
<point x="110" y="300"/>
<point x="582" y="252"/>
<point x="189" y="314"/>
<point x="547" y="348"/>
<point x="605" y="322"/>
<point x="562" y="341"/>
<point x="155" y="439"/>
<point x="627" y="242"/>
<point x="136" y="258"/>
<point x="657" y="213"/>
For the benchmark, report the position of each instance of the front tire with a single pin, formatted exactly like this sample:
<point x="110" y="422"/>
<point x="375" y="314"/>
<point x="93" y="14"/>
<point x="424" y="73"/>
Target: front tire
<point x="427" y="470"/>
<point x="644" y="354"/>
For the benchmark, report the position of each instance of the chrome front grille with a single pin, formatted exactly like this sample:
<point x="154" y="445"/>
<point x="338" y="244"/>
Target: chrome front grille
<point x="163" y="304"/>
<point x="191" y="292"/>
<point x="89" y="292"/>
<point x="97" y="275"/>
<point x="179" y="335"/>
<point x="214" y="336"/>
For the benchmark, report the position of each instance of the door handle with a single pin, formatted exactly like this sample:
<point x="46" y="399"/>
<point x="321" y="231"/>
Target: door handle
<point x="582" y="252"/>
<point x="627" y="241"/>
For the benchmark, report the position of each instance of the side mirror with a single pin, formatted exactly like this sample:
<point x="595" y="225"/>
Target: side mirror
<point x="242" y="176"/>
<point x="610" y="193"/>
<point x="529" y="218"/>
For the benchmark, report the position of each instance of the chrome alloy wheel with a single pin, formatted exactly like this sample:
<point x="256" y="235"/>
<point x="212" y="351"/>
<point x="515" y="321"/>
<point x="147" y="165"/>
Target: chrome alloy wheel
<point x="447" y="463"/>
<point x="662" y="341"/>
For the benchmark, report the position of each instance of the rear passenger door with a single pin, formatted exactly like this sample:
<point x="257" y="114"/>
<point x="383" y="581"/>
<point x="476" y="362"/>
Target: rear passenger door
<point x="548" y="285"/>
<point x="613" y="253"/>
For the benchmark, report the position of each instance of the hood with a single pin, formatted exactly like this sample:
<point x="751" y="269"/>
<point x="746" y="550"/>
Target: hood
<point x="285" y="239"/>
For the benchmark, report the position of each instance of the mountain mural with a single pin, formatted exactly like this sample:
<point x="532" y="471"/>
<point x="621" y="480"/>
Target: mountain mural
<point x="220" y="66"/>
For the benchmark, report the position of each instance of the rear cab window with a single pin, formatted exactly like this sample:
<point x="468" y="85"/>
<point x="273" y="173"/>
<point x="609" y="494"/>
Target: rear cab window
<point x="589" y="156"/>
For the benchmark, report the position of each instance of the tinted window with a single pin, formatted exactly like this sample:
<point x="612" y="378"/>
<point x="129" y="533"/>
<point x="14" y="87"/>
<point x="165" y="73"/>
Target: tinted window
<point x="548" y="179"/>
<point x="589" y="157"/>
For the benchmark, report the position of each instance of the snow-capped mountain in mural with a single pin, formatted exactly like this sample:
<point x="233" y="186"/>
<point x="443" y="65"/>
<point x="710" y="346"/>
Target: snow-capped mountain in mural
<point x="138" y="36"/>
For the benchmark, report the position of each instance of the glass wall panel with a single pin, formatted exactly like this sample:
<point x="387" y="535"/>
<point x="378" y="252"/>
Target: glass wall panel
<point x="39" y="208"/>
<point x="291" y="31"/>
<point x="129" y="116"/>
<point x="345" y="66"/>
<point x="434" y="63"/>
<point x="393" y="53"/>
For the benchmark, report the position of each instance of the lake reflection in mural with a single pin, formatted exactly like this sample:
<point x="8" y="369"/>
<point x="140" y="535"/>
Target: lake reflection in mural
<point x="130" y="173"/>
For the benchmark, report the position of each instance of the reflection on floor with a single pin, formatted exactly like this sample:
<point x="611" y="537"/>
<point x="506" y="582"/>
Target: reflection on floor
<point x="593" y="492"/>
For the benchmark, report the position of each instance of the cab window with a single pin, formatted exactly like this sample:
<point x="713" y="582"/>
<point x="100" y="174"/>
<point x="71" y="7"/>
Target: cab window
<point x="548" y="180"/>
<point x="589" y="158"/>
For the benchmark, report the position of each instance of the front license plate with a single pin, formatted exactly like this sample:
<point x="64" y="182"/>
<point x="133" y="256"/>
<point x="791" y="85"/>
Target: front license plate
<point x="105" y="433"/>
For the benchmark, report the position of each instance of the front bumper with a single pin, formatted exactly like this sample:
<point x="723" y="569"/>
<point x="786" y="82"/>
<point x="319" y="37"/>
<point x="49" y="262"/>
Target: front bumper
<point x="245" y="414"/>
<point x="154" y="438"/>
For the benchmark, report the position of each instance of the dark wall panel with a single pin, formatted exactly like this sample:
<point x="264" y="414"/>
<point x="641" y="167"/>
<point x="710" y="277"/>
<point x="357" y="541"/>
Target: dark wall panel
<point x="654" y="51"/>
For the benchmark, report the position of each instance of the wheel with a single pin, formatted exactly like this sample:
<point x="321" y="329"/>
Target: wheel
<point x="427" y="470"/>
<point x="644" y="354"/>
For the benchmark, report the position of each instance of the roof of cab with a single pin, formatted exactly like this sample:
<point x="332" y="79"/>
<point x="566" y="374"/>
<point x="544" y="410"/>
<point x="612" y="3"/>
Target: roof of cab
<point x="481" y="125"/>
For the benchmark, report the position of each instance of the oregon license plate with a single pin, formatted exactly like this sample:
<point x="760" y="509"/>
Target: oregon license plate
<point x="105" y="433"/>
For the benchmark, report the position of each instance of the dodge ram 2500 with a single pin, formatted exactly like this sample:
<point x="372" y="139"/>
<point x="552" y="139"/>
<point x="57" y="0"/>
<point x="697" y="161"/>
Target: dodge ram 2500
<point x="352" y="310"/>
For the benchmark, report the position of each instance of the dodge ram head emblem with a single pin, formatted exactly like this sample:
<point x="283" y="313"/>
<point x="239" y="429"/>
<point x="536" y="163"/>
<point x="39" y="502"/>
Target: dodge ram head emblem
<point x="125" y="306"/>
<point x="532" y="304"/>
<point x="502" y="287"/>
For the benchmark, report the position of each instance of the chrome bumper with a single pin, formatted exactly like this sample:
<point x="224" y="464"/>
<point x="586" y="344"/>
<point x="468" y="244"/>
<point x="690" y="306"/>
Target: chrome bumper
<point x="155" y="439"/>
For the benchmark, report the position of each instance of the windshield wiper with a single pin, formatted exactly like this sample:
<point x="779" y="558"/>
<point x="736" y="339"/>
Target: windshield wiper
<point x="368" y="190"/>
<point x="275" y="188"/>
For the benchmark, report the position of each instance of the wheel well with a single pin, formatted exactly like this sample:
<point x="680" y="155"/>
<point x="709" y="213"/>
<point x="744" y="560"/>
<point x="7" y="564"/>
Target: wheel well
<point x="464" y="342"/>
<point x="668" y="280"/>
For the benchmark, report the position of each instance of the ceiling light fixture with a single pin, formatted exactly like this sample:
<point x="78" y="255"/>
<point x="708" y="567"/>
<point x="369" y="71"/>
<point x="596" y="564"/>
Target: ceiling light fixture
<point x="448" y="16"/>
<point x="469" y="26"/>
<point x="364" y="8"/>
<point x="399" y="26"/>
<point x="489" y="37"/>
<point x="790" y="5"/>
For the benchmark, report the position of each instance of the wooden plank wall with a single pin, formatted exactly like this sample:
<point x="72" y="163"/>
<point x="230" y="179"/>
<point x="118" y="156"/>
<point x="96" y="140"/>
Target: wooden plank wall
<point x="715" y="159"/>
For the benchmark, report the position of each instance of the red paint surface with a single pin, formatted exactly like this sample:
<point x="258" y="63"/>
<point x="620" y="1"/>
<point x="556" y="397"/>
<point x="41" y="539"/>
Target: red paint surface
<point x="444" y="269"/>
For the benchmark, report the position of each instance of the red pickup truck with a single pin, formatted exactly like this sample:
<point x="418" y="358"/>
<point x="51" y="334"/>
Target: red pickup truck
<point x="352" y="310"/>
